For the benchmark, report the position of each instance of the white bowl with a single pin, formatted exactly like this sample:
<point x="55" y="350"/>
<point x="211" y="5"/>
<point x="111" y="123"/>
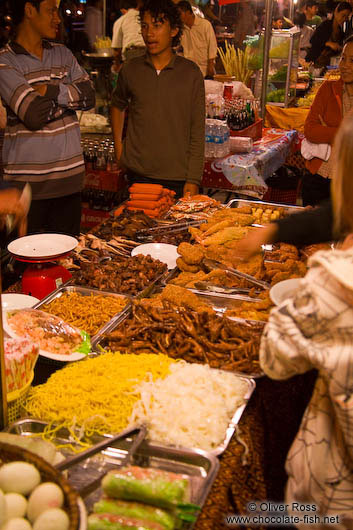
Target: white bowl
<point x="283" y="290"/>
<point x="163" y="251"/>
<point x="17" y="301"/>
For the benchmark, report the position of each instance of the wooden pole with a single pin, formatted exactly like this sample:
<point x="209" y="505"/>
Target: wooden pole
<point x="266" y="56"/>
<point x="3" y="391"/>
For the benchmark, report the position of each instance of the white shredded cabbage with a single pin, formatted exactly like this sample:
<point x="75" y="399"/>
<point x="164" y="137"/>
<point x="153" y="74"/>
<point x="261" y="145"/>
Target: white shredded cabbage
<point x="191" y="407"/>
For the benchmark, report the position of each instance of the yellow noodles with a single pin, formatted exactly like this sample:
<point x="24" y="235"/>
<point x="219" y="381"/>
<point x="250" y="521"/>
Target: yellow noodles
<point x="88" y="313"/>
<point x="96" y="395"/>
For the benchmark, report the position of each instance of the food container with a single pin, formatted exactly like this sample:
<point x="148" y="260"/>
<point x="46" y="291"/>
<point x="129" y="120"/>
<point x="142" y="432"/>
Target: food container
<point x="77" y="516"/>
<point x="84" y="292"/>
<point x="250" y="379"/>
<point x="254" y="131"/>
<point x="238" y="203"/>
<point x="200" y="466"/>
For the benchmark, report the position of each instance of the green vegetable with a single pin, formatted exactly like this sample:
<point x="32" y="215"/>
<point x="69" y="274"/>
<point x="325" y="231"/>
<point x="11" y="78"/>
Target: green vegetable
<point x="85" y="346"/>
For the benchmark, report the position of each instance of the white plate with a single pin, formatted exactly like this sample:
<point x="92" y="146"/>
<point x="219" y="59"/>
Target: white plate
<point x="166" y="253"/>
<point x="76" y="356"/>
<point x="42" y="245"/>
<point x="283" y="290"/>
<point x="17" y="301"/>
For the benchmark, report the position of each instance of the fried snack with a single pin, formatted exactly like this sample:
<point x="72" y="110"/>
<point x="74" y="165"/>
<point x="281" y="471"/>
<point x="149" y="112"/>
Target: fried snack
<point x="189" y="335"/>
<point x="181" y="297"/>
<point x="256" y="310"/>
<point x="191" y="254"/>
<point x="187" y="279"/>
<point x="227" y="234"/>
<point x="89" y="313"/>
<point x="130" y="276"/>
<point x="185" y="267"/>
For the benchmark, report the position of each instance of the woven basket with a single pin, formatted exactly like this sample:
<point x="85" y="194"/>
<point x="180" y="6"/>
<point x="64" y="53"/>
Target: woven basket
<point x="11" y="453"/>
<point x="16" y="401"/>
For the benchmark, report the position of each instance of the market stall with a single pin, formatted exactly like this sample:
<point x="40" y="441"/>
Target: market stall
<point x="153" y="315"/>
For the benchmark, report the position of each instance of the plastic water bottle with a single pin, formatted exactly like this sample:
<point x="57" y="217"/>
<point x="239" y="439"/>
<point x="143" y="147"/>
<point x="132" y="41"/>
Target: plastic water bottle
<point x="218" y="139"/>
<point x="209" y="139"/>
<point x="226" y="136"/>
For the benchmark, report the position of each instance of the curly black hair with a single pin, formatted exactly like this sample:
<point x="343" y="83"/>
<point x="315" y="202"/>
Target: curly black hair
<point x="17" y="9"/>
<point x="165" y="10"/>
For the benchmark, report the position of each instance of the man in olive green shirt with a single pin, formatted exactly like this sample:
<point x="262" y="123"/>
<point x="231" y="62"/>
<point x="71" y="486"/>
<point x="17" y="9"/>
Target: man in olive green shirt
<point x="165" y="96"/>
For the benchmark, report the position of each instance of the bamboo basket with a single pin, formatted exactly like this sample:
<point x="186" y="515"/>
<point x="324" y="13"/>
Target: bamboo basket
<point x="11" y="453"/>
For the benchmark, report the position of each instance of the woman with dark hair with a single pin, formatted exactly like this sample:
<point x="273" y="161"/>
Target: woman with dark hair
<point x="327" y="40"/>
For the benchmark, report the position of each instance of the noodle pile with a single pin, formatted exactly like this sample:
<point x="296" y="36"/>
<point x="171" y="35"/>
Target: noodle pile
<point x="88" y="313"/>
<point x="96" y="395"/>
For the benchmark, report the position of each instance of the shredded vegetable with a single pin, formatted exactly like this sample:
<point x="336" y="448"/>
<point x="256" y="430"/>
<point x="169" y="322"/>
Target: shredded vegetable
<point x="95" y="396"/>
<point x="191" y="407"/>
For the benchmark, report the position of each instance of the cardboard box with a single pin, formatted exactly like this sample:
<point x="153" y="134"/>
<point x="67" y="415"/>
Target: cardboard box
<point x="91" y="218"/>
<point x="105" y="180"/>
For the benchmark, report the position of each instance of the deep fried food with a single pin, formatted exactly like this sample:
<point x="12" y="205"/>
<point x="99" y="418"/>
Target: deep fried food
<point x="183" y="266"/>
<point x="201" y="337"/>
<point x="191" y="254"/>
<point x="227" y="234"/>
<point x="182" y="297"/>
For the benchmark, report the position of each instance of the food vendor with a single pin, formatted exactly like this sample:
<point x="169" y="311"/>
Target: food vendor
<point x="42" y="86"/>
<point x="164" y="92"/>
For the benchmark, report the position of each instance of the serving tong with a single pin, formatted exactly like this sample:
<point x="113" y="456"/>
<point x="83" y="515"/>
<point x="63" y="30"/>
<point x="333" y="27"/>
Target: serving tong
<point x="213" y="264"/>
<point x="71" y="461"/>
<point x="172" y="228"/>
<point x="206" y="286"/>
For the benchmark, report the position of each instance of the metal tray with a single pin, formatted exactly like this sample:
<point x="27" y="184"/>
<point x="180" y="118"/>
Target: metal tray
<point x="249" y="378"/>
<point x="200" y="466"/>
<point x="237" y="203"/>
<point x="85" y="291"/>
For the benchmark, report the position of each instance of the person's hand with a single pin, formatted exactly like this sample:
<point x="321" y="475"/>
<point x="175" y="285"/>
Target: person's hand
<point x="334" y="46"/>
<point x="10" y="204"/>
<point x="251" y="245"/>
<point x="41" y="89"/>
<point x="191" y="189"/>
<point x="210" y="70"/>
<point x="347" y="243"/>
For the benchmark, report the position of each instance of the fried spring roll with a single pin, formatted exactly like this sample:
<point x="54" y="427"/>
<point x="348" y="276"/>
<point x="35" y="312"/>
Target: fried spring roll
<point x="152" y="486"/>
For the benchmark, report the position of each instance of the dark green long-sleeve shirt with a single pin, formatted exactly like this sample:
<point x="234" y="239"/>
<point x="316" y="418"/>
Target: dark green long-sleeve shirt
<point x="166" y="122"/>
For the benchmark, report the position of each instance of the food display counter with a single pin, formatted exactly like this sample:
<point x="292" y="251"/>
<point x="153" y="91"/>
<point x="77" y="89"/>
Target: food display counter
<point x="199" y="312"/>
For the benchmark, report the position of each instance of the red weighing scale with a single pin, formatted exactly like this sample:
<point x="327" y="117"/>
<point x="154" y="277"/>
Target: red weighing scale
<point x="42" y="250"/>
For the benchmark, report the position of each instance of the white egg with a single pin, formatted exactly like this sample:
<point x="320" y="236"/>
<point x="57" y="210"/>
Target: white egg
<point x="19" y="477"/>
<point x="53" y="519"/>
<point x="16" y="505"/>
<point x="3" y="509"/>
<point x="46" y="495"/>
<point x="18" y="523"/>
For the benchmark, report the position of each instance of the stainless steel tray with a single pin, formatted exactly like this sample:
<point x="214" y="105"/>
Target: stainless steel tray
<point x="85" y="291"/>
<point x="237" y="203"/>
<point x="250" y="378"/>
<point x="201" y="467"/>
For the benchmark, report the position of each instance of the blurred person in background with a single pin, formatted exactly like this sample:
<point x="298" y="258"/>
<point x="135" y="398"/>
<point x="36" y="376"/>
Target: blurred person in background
<point x="327" y="39"/>
<point x="127" y="40"/>
<point x="312" y="329"/>
<point x="306" y="33"/>
<point x="42" y="86"/>
<point x="165" y="97"/>
<point x="198" y="39"/>
<point x="94" y="21"/>
<point x="310" y="10"/>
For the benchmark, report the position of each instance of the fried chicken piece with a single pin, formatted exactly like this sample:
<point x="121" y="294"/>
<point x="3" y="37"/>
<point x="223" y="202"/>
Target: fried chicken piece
<point x="290" y="249"/>
<point x="183" y="298"/>
<point x="280" y="276"/>
<point x="183" y="266"/>
<point x="227" y="234"/>
<point x="187" y="279"/>
<point x="301" y="268"/>
<point x="253" y="266"/>
<point x="191" y="254"/>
